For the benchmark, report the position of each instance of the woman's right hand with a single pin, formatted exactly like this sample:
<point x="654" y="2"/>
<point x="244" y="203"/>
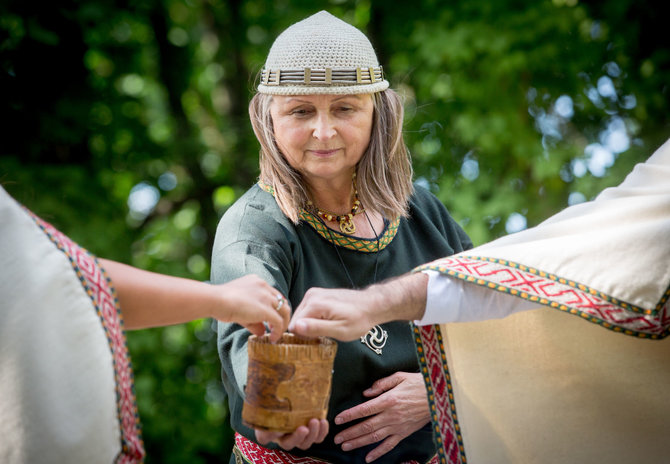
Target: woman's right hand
<point x="303" y="437"/>
<point x="250" y="301"/>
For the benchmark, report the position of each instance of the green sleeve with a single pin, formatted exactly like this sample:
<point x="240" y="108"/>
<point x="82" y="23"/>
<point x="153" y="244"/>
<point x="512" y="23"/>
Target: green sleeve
<point x="248" y="241"/>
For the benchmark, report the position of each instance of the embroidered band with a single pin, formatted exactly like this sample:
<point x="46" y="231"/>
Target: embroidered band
<point x="103" y="296"/>
<point x="248" y="452"/>
<point x="556" y="292"/>
<point x="327" y="76"/>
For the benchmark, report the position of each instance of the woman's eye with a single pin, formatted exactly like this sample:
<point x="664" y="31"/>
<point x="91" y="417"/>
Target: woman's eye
<point x="299" y="112"/>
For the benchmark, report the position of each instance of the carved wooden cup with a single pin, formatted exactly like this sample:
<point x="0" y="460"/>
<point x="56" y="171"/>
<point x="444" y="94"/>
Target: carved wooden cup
<point x="288" y="382"/>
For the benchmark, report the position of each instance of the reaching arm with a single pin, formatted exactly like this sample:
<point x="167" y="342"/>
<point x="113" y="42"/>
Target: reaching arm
<point x="148" y="299"/>
<point x="349" y="314"/>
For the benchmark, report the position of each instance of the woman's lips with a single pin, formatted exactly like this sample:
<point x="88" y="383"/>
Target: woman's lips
<point x="324" y="152"/>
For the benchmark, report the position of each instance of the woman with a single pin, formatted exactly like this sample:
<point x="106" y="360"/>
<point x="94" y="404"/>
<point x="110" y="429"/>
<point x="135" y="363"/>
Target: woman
<point x="335" y="207"/>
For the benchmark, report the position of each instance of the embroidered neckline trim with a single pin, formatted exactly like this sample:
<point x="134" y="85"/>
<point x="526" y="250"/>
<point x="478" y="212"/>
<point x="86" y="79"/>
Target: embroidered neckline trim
<point x="345" y="241"/>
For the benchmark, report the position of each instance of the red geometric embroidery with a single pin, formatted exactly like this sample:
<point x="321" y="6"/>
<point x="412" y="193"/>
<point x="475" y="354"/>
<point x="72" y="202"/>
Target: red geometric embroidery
<point x="254" y="453"/>
<point x="559" y="293"/>
<point x="99" y="289"/>
<point x="533" y="285"/>
<point x="433" y="364"/>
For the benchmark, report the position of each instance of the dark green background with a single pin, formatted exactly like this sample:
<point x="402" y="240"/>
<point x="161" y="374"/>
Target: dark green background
<point x="99" y="97"/>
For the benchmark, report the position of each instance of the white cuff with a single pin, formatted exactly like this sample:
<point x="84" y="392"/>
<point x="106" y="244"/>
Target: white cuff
<point x="453" y="300"/>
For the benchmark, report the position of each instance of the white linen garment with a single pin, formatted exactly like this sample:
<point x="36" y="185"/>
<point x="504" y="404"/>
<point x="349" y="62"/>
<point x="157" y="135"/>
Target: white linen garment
<point x="65" y="380"/>
<point x="618" y="246"/>
<point x="554" y="344"/>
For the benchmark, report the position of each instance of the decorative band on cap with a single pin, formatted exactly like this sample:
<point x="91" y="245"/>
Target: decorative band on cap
<point x="321" y="77"/>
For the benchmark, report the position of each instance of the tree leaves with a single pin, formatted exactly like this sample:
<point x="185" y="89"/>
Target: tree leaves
<point x="513" y="110"/>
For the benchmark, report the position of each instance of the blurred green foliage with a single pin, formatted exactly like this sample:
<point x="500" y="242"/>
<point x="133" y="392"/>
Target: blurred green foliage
<point x="125" y="125"/>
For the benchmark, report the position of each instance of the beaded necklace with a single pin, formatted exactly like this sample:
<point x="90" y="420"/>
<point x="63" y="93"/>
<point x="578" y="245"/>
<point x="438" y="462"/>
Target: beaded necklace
<point x="346" y="221"/>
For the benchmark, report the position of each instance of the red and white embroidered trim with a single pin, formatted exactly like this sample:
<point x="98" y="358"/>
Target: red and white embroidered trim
<point x="254" y="453"/>
<point x="559" y="293"/>
<point x="99" y="289"/>
<point x="433" y="365"/>
<point x="533" y="285"/>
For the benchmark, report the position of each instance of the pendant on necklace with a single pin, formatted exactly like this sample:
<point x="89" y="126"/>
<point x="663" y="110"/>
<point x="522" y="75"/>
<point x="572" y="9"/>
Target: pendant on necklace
<point x="375" y="339"/>
<point x="347" y="225"/>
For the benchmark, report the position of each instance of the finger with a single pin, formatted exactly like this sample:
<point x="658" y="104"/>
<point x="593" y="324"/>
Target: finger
<point x="256" y="328"/>
<point x="369" y="408"/>
<point x="279" y="318"/>
<point x="313" y="426"/>
<point x="289" y="441"/>
<point x="365" y="428"/>
<point x="299" y="326"/>
<point x="308" y="327"/>
<point x="386" y="446"/>
<point x="275" y="333"/>
<point x="279" y="323"/>
<point x="384" y="384"/>
<point x="265" y="436"/>
<point x="285" y="313"/>
<point x="364" y="439"/>
<point x="323" y="431"/>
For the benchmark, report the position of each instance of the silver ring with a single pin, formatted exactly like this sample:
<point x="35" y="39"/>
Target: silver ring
<point x="280" y="301"/>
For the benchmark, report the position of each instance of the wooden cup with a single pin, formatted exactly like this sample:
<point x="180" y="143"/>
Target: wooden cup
<point x="288" y="382"/>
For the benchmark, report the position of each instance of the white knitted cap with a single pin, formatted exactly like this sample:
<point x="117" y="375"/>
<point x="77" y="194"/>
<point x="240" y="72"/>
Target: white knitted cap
<point x="322" y="55"/>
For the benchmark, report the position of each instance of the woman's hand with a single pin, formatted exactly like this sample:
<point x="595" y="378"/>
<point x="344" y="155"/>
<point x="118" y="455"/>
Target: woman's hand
<point x="250" y="301"/>
<point x="399" y="408"/>
<point x="303" y="437"/>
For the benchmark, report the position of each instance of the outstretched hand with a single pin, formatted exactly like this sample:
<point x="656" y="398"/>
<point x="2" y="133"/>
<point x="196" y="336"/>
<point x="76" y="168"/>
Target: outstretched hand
<point x="250" y="301"/>
<point x="348" y="314"/>
<point x="338" y="313"/>
<point x="148" y="299"/>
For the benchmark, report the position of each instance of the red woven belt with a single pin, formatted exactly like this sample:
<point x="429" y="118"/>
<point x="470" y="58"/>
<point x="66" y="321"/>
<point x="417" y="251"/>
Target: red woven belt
<point x="248" y="452"/>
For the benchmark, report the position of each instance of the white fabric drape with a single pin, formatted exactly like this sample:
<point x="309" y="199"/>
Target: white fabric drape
<point x="617" y="247"/>
<point x="543" y="385"/>
<point x="61" y="398"/>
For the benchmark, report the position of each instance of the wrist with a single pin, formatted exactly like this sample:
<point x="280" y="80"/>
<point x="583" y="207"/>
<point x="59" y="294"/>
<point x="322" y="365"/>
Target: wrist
<point x="213" y="304"/>
<point x="402" y="298"/>
<point x="378" y="310"/>
<point x="416" y="291"/>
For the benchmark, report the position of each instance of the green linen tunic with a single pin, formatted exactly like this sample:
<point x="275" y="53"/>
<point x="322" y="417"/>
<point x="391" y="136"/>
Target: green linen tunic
<point x="254" y="237"/>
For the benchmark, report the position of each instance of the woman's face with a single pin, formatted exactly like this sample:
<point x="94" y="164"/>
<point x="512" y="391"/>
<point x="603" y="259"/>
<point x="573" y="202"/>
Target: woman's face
<point x="322" y="136"/>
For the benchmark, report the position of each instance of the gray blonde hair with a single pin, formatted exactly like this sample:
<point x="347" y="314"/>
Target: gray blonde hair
<point x="383" y="175"/>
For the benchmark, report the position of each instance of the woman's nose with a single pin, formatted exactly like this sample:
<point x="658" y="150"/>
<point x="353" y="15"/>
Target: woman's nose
<point x="324" y="129"/>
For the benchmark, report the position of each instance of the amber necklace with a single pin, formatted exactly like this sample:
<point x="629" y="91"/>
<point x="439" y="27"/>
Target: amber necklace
<point x="346" y="221"/>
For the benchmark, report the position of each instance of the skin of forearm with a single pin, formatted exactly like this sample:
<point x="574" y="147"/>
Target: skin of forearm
<point x="148" y="299"/>
<point x="401" y="298"/>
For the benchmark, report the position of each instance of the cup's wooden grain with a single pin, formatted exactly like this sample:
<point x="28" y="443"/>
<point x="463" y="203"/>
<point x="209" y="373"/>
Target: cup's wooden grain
<point x="288" y="382"/>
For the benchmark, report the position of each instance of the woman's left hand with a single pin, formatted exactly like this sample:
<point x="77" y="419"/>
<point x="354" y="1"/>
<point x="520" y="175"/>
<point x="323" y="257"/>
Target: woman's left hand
<point x="398" y="409"/>
<point x="303" y="437"/>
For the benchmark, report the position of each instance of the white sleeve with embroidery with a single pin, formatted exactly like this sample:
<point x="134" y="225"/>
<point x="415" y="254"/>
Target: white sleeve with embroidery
<point x="452" y="300"/>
